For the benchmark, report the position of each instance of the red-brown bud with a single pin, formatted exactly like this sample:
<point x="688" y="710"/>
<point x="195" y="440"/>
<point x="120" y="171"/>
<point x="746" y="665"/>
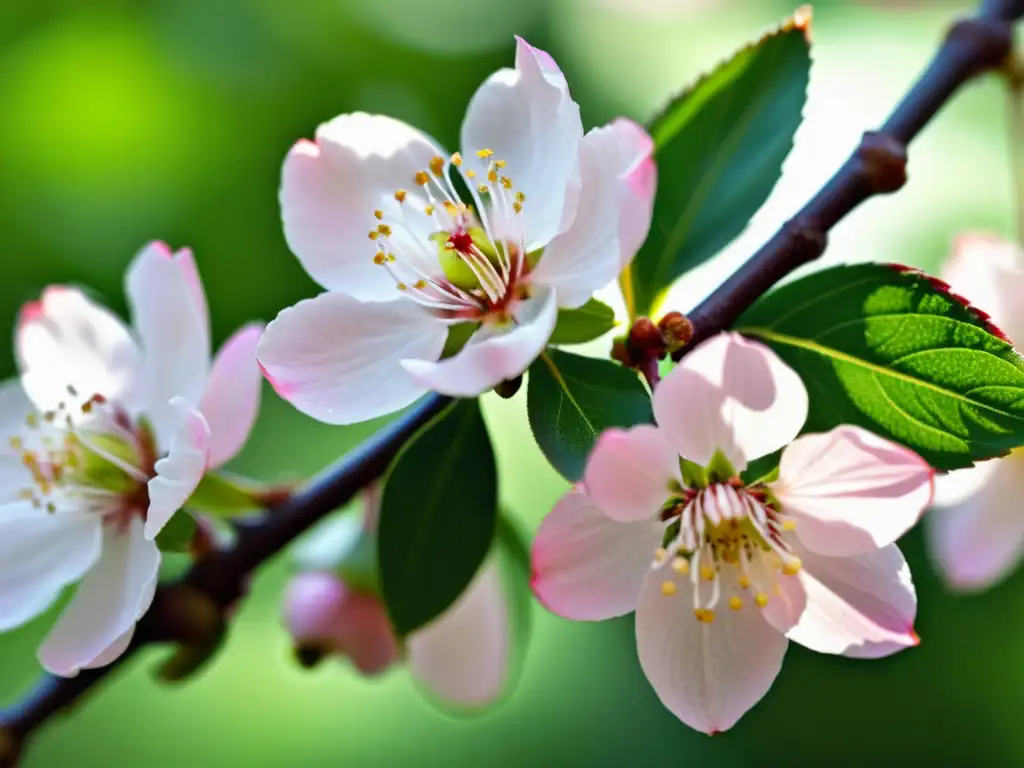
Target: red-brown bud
<point x="676" y="330"/>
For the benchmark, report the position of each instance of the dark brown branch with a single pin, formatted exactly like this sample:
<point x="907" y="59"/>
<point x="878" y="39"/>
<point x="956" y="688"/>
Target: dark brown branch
<point x="191" y="612"/>
<point x="877" y="167"/>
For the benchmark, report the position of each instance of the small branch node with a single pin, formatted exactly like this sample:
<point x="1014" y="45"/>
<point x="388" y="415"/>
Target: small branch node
<point x="884" y="162"/>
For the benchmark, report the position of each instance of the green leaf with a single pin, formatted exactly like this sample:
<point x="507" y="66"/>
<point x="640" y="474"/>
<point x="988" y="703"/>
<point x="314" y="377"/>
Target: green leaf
<point x="719" y="147"/>
<point x="178" y="534"/>
<point x="891" y="350"/>
<point x="438" y="516"/>
<point x="220" y="494"/>
<point x="576" y="326"/>
<point x="572" y="399"/>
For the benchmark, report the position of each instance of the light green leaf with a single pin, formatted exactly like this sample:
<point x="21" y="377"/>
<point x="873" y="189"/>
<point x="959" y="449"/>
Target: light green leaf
<point x="719" y="147"/>
<point x="438" y="516"/>
<point x="220" y="494"/>
<point x="178" y="534"/>
<point x="572" y="399"/>
<point x="576" y="326"/>
<point x="891" y="350"/>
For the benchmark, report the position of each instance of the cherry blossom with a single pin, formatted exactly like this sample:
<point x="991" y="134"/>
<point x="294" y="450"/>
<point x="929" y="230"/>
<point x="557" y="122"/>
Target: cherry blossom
<point x="110" y="431"/>
<point x="721" y="571"/>
<point x="976" y="535"/>
<point x="428" y="289"/>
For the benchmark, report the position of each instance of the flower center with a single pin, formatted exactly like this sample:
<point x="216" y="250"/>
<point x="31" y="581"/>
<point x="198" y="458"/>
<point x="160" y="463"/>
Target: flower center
<point x="463" y="261"/>
<point x="729" y="540"/>
<point x="89" y="457"/>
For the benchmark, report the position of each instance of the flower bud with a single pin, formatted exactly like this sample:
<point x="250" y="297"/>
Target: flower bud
<point x="645" y="339"/>
<point x="676" y="330"/>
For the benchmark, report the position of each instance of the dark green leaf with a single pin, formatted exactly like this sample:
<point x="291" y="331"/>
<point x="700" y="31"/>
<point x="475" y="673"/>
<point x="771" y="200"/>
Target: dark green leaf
<point x="178" y="534"/>
<point x="576" y="326"/>
<point x="890" y="349"/>
<point x="572" y="399"/>
<point x="719" y="147"/>
<point x="437" y="516"/>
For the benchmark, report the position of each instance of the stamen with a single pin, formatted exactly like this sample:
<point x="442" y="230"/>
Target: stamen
<point x="761" y="599"/>
<point x="378" y="214"/>
<point x="680" y="565"/>
<point x="456" y="160"/>
<point x="704" y="615"/>
<point x="421" y="178"/>
<point x="735" y="603"/>
<point x="400" y="195"/>
<point x="437" y="165"/>
<point x="668" y="588"/>
<point x="483" y="154"/>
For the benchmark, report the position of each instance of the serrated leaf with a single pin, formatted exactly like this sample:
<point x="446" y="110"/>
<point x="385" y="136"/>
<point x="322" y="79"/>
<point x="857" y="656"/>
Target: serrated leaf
<point x="438" y="516"/>
<point x="576" y="326"/>
<point x="890" y="349"/>
<point x="572" y="399"/>
<point x="719" y="147"/>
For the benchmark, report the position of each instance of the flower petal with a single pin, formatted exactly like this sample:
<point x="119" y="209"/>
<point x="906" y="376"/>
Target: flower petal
<point x="851" y="491"/>
<point x="633" y="152"/>
<point x="337" y="359"/>
<point x="15" y="408"/>
<point x="40" y="554"/>
<point x="707" y="674"/>
<point x="629" y="471"/>
<point x="989" y="273"/>
<point x="586" y="566"/>
<point x="491" y="357"/>
<point x="463" y="656"/>
<point x="979" y="541"/>
<point x="63" y="340"/>
<point x="172" y="327"/>
<point x="330" y="188"/>
<point x="111" y="598"/>
<point x="588" y="255"/>
<point x="527" y="118"/>
<point x="179" y="472"/>
<point x="232" y="397"/>
<point x="113" y="651"/>
<point x="862" y="606"/>
<point x="732" y="395"/>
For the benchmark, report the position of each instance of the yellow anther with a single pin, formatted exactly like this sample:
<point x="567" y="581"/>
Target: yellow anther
<point x="15" y="443"/>
<point x="668" y="588"/>
<point x="373" y="234"/>
<point x="482" y="189"/>
<point x="391" y="257"/>
<point x="402" y="287"/>
<point x="421" y="178"/>
<point x="492" y="176"/>
<point x="744" y="582"/>
<point x="789" y="525"/>
<point x="735" y="603"/>
<point x="517" y="206"/>
<point x="32" y="420"/>
<point x="429" y="210"/>
<point x="378" y="214"/>
<point x="437" y="165"/>
<point x="400" y="195"/>
<point x="792" y="567"/>
<point x="384" y="229"/>
<point x="451" y="207"/>
<point x="499" y="164"/>
<point x="51" y="507"/>
<point x="379" y="258"/>
<point x="484" y="153"/>
<point x="660" y="554"/>
<point x="419" y="285"/>
<point x="471" y="174"/>
<point x="506" y="182"/>
<point x="704" y="615"/>
<point x="681" y="565"/>
<point x="707" y="573"/>
<point x="761" y="599"/>
<point x="456" y="159"/>
<point x="520" y="197"/>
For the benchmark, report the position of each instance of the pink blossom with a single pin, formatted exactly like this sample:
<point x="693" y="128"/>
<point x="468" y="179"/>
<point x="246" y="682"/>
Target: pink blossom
<point x="722" y="572"/>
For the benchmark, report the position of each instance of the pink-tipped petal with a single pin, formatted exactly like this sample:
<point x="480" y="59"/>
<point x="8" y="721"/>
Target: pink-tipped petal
<point x="185" y="260"/>
<point x="629" y="472"/>
<point x="338" y="359"/>
<point x="979" y="541"/>
<point x="330" y="188"/>
<point x="463" y="656"/>
<point x="173" y="330"/>
<point x="732" y="395"/>
<point x="638" y="181"/>
<point x="491" y="356"/>
<point x="586" y="566"/>
<point x="232" y="397"/>
<point x="708" y="674"/>
<point x="528" y="119"/>
<point x="851" y="491"/>
<point x="179" y="472"/>
<point x="63" y="340"/>
<point x="862" y="606"/>
<point x="989" y="273"/>
<point x="111" y="598"/>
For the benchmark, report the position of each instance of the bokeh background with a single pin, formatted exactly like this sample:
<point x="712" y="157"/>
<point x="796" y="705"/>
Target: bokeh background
<point x="127" y="120"/>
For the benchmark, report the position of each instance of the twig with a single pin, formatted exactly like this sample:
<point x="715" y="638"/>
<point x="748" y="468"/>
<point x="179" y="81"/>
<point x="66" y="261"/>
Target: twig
<point x="192" y="611"/>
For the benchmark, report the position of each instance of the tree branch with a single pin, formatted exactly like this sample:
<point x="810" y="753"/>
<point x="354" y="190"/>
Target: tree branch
<point x="191" y="612"/>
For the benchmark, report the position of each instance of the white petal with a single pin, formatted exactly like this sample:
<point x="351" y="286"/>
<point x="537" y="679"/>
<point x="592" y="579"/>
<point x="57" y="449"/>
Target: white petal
<point x="113" y="651"/>
<point x="989" y="273"/>
<point x="111" y="598"/>
<point x="587" y="255"/>
<point x="331" y="187"/>
<point x="463" y="656"/>
<point x="172" y="328"/>
<point x="64" y="339"/>
<point x="633" y="151"/>
<point x="15" y="408"/>
<point x="179" y="472"/>
<point x="526" y="116"/>
<point x="337" y="359"/>
<point x="40" y="554"/>
<point x="707" y="674"/>
<point x="732" y="395"/>
<point x="232" y="397"/>
<point x="586" y="566"/>
<point x="979" y="541"/>
<point x="491" y="357"/>
<point x="629" y="471"/>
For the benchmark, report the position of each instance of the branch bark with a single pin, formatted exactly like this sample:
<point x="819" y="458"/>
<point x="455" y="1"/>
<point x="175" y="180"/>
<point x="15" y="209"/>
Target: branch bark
<point x="192" y="612"/>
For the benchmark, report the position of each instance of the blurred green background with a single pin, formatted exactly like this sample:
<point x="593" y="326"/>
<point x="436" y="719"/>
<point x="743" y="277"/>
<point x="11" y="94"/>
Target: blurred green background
<point x="127" y="120"/>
